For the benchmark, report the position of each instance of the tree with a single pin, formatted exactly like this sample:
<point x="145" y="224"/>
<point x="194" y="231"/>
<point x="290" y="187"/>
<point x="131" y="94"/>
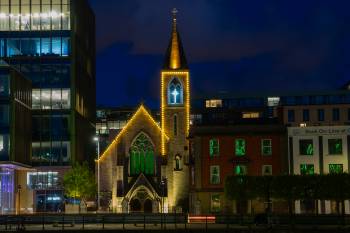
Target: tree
<point x="239" y="188"/>
<point x="337" y="188"/>
<point x="287" y="187"/>
<point x="262" y="189"/>
<point x="79" y="182"/>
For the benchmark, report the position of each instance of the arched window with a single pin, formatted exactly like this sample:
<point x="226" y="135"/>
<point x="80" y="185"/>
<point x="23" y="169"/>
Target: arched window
<point x="142" y="156"/>
<point x="175" y="92"/>
<point x="177" y="162"/>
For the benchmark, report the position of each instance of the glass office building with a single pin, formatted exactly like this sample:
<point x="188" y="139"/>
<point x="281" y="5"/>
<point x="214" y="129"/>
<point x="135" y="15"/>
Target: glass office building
<point x="52" y="42"/>
<point x="15" y="135"/>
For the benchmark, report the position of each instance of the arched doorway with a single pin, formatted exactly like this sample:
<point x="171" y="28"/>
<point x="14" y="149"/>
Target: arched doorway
<point x="147" y="206"/>
<point x="135" y="205"/>
<point x="142" y="200"/>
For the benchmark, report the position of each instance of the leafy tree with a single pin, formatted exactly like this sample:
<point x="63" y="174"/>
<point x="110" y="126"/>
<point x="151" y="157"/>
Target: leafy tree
<point x="79" y="182"/>
<point x="262" y="186"/>
<point x="337" y="188"/>
<point x="287" y="187"/>
<point x="239" y="188"/>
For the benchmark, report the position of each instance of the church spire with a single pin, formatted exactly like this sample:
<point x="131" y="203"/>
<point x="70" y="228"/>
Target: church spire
<point x="175" y="56"/>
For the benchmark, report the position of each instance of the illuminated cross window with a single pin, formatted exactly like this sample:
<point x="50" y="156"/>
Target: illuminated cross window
<point x="175" y="91"/>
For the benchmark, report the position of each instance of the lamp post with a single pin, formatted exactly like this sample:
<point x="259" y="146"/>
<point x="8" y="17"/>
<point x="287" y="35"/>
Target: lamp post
<point x="163" y="183"/>
<point x="97" y="140"/>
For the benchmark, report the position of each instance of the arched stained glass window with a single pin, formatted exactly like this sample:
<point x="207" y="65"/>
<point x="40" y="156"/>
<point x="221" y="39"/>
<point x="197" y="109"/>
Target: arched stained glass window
<point x="142" y="156"/>
<point x="175" y="92"/>
<point x="178" y="162"/>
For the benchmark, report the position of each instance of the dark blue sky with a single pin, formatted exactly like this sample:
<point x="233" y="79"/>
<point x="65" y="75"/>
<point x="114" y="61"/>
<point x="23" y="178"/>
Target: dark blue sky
<point x="235" y="46"/>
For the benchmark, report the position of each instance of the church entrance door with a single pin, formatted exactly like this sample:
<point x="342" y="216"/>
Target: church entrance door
<point x="147" y="206"/>
<point x="135" y="205"/>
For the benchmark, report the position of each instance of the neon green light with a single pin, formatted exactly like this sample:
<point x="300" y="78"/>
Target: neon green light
<point x="266" y="147"/>
<point x="335" y="168"/>
<point x="307" y="169"/>
<point x="240" y="147"/>
<point x="213" y="147"/>
<point x="142" y="156"/>
<point x="335" y="146"/>
<point x="306" y="147"/>
<point x="240" y="170"/>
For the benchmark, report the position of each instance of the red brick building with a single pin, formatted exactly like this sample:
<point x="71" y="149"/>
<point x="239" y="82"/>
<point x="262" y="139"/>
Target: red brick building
<point x="219" y="151"/>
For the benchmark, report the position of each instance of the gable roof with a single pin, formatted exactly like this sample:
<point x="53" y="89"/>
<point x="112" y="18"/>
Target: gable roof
<point x="140" y="110"/>
<point x="142" y="180"/>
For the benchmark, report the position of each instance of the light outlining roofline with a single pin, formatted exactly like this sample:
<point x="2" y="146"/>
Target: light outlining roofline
<point x="116" y="139"/>
<point x="163" y="103"/>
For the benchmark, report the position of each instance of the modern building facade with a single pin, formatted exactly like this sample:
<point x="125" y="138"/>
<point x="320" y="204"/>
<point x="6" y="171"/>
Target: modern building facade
<point x="144" y="166"/>
<point x="318" y="150"/>
<point x="15" y="140"/>
<point x="52" y="42"/>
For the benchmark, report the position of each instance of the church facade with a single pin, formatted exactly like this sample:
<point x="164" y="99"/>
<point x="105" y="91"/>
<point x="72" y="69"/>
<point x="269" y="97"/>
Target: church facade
<point x="144" y="169"/>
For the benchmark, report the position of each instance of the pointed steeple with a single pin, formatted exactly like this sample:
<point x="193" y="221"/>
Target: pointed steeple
<point x="175" y="55"/>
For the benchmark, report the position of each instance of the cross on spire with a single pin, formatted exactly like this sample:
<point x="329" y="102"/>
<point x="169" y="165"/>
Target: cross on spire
<point x="174" y="12"/>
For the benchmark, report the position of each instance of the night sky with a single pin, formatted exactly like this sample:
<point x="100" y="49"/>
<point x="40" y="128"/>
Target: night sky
<point x="231" y="46"/>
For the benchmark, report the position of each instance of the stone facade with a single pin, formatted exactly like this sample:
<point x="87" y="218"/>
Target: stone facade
<point x="145" y="169"/>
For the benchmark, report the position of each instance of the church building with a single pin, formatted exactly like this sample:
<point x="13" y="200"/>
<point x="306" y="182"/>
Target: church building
<point x="144" y="169"/>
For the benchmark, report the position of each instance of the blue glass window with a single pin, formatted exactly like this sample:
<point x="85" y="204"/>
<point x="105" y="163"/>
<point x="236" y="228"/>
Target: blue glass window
<point x="45" y="46"/>
<point x="306" y="115"/>
<point x="175" y="92"/>
<point x="56" y="45"/>
<point x="291" y="116"/>
<point x="336" y="114"/>
<point x="65" y="46"/>
<point x="320" y="114"/>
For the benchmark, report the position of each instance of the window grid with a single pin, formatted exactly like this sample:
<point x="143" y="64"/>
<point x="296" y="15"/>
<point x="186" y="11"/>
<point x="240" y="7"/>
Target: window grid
<point x="266" y="147"/>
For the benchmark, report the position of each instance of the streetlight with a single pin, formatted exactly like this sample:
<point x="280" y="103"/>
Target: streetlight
<point x="163" y="183"/>
<point x="97" y="140"/>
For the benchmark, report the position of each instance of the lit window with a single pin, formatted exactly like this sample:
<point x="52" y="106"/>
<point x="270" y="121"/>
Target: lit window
<point x="306" y="147"/>
<point x="213" y="103"/>
<point x="213" y="147"/>
<point x="240" y="170"/>
<point x="175" y="92"/>
<point x="307" y="169"/>
<point x="273" y="101"/>
<point x="42" y="180"/>
<point x="266" y="147"/>
<point x="178" y="162"/>
<point x="267" y="170"/>
<point x="142" y="156"/>
<point x="214" y="174"/>
<point x="215" y="205"/>
<point x="240" y="147"/>
<point x="1" y="142"/>
<point x="335" y="146"/>
<point x="335" y="168"/>
<point x="250" y="115"/>
<point x="50" y="98"/>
